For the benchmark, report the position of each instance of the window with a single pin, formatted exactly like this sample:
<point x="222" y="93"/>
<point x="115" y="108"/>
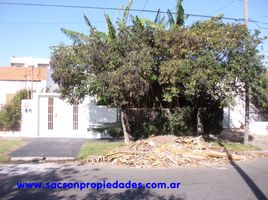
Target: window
<point x="17" y="64"/>
<point x="9" y="97"/>
<point x="50" y="113"/>
<point x="42" y="65"/>
<point x="75" y="117"/>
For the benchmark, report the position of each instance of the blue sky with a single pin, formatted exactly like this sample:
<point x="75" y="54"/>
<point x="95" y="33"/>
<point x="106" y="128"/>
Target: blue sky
<point x="30" y="31"/>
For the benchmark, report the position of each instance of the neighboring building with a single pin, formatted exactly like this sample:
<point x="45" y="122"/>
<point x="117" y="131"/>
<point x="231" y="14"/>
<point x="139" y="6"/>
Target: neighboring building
<point x="25" y="73"/>
<point x="46" y="115"/>
<point x="234" y="117"/>
<point x="13" y="79"/>
<point x="28" y="62"/>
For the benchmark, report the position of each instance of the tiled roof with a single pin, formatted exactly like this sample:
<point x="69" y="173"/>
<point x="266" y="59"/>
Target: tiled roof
<point x="22" y="74"/>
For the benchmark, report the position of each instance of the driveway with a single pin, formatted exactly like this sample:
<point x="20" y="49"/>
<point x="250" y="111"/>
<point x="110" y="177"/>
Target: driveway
<point x="243" y="180"/>
<point x="49" y="147"/>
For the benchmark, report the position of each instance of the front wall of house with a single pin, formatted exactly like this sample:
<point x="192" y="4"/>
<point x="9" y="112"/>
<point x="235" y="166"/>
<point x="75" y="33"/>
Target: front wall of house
<point x="60" y="121"/>
<point x="57" y="118"/>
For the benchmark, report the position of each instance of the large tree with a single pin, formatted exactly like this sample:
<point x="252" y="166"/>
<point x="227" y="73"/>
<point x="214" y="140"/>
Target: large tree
<point x="210" y="63"/>
<point x="249" y="70"/>
<point x="140" y="65"/>
<point x="118" y="67"/>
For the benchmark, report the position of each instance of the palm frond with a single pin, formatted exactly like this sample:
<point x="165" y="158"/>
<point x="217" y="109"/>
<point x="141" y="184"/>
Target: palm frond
<point x="111" y="29"/>
<point x="170" y="18"/>
<point x="123" y="21"/>
<point x="78" y="38"/>
<point x="157" y="17"/>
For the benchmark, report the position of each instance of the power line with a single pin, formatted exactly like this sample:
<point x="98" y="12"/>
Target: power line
<point x="258" y="24"/>
<point x="145" y="4"/>
<point x="225" y="6"/>
<point x="261" y="17"/>
<point x="107" y="8"/>
<point x="73" y="6"/>
<point x="44" y="23"/>
<point x="261" y="27"/>
<point x="116" y="9"/>
<point x="254" y="21"/>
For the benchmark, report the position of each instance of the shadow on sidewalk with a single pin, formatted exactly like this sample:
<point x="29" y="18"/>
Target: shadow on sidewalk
<point x="254" y="188"/>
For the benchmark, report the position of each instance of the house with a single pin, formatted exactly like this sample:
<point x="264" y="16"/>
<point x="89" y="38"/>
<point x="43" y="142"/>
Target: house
<point x="29" y="73"/>
<point x="234" y="117"/>
<point x="13" y="79"/>
<point x="28" y="62"/>
<point x="46" y="115"/>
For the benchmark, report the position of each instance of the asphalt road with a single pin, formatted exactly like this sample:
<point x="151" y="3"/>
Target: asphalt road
<point x="246" y="180"/>
<point x="49" y="147"/>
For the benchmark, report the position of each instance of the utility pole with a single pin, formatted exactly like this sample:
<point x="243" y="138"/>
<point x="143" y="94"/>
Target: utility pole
<point x="246" y="85"/>
<point x="246" y="12"/>
<point x="32" y="81"/>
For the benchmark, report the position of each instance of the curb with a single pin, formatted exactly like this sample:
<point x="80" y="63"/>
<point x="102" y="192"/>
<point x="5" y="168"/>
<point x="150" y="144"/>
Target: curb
<point x="35" y="159"/>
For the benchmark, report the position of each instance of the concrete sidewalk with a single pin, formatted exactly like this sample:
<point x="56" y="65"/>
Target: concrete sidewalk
<point x="48" y="148"/>
<point x="260" y="141"/>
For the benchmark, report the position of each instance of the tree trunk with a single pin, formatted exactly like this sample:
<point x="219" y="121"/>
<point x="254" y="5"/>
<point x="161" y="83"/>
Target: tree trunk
<point x="200" y="127"/>
<point x="246" y="114"/>
<point x="125" y="125"/>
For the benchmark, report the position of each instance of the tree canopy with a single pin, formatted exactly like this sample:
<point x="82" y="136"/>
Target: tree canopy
<point x="139" y="65"/>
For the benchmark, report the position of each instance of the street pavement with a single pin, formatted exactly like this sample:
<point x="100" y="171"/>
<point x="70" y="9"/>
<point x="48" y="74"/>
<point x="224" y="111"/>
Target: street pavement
<point x="243" y="180"/>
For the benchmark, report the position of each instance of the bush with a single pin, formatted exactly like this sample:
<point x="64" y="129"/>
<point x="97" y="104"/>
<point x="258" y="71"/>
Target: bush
<point x="145" y="123"/>
<point x="213" y="117"/>
<point x="10" y="114"/>
<point x="149" y="129"/>
<point x="180" y="122"/>
<point x="9" y="118"/>
<point x="115" y="131"/>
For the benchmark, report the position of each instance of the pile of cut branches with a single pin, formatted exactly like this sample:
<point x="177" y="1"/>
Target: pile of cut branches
<point x="171" y="151"/>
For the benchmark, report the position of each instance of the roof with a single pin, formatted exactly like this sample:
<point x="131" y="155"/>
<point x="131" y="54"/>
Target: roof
<point x="22" y="73"/>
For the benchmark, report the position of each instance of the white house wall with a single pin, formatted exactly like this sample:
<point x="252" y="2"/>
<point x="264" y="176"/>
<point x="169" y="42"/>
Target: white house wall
<point x="27" y="118"/>
<point x="259" y="128"/>
<point x="35" y="124"/>
<point x="101" y="114"/>
<point x="234" y="118"/>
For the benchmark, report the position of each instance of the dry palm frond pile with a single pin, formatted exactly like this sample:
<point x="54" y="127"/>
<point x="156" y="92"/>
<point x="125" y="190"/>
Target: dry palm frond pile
<point x="171" y="151"/>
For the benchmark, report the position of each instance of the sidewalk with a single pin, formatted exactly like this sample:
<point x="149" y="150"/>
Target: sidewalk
<point x="260" y="141"/>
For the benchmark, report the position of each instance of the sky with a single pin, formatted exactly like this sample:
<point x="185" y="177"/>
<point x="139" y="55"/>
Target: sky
<point x="31" y="31"/>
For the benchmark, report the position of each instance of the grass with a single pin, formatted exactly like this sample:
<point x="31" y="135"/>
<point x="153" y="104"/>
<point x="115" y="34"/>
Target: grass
<point x="238" y="147"/>
<point x="7" y="146"/>
<point x="97" y="148"/>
